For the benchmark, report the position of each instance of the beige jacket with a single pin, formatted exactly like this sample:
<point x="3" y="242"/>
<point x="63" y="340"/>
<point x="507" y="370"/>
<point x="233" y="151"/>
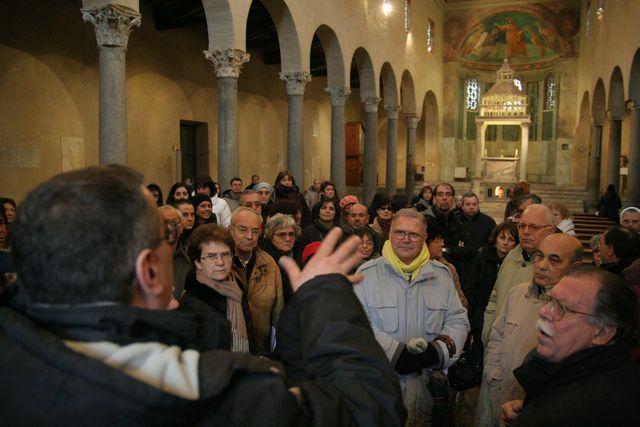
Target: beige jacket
<point x="265" y="298"/>
<point x="513" y="336"/>
<point x="514" y="270"/>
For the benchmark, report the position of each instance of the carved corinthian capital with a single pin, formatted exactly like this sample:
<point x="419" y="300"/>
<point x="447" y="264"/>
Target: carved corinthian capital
<point x="412" y="121"/>
<point x="393" y="111"/>
<point x="112" y="24"/>
<point x="295" y="81"/>
<point x="338" y="94"/>
<point x="371" y="104"/>
<point x="228" y="62"/>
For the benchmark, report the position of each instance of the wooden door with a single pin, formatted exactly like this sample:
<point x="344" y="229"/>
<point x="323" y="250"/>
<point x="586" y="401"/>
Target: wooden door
<point x="352" y="135"/>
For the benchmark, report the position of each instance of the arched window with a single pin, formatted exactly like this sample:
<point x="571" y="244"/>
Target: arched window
<point x="550" y="107"/>
<point x="472" y="91"/>
<point x="430" y="36"/>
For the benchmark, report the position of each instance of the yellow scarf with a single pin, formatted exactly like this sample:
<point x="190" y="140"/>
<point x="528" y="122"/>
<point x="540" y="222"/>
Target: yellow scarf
<point x="406" y="270"/>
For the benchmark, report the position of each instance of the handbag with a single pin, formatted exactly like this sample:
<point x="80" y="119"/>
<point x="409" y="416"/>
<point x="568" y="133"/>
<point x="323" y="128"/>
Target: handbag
<point x="466" y="373"/>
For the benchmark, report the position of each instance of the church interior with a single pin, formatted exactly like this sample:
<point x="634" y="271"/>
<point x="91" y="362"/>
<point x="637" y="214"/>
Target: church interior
<point x="373" y="94"/>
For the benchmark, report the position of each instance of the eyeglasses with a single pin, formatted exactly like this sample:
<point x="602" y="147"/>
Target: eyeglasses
<point x="171" y="230"/>
<point x="401" y="235"/>
<point x="284" y="234"/>
<point x="255" y="232"/>
<point x="264" y="193"/>
<point x="535" y="228"/>
<point x="212" y="256"/>
<point x="558" y="310"/>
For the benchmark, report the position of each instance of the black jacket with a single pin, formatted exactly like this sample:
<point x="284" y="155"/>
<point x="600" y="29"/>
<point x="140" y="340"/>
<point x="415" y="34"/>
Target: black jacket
<point x="597" y="387"/>
<point x="474" y="233"/>
<point x="481" y="279"/>
<point x="46" y="383"/>
<point x="292" y="193"/>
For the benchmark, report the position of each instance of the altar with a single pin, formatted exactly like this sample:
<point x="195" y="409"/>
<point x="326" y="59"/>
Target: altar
<point x="500" y="169"/>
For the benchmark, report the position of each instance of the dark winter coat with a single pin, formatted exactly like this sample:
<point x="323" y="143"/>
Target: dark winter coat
<point x="609" y="206"/>
<point x="474" y="233"/>
<point x="481" y="279"/>
<point x="596" y="387"/>
<point x="348" y="378"/>
<point x="292" y="193"/>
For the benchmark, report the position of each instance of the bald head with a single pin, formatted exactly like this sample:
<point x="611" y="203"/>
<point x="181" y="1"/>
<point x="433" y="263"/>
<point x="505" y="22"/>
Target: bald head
<point x="358" y="216"/>
<point x="534" y="225"/>
<point x="556" y="255"/>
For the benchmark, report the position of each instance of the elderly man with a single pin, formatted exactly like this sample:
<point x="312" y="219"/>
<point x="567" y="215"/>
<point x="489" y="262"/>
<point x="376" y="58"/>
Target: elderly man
<point x="258" y="275"/>
<point x="312" y="195"/>
<point x="181" y="263"/>
<point x="513" y="334"/>
<point x="533" y="226"/>
<point x="87" y="322"/>
<point x="580" y="373"/>
<point x="414" y="310"/>
<point x="630" y="218"/>
<point x="250" y="199"/>
<point x="619" y="248"/>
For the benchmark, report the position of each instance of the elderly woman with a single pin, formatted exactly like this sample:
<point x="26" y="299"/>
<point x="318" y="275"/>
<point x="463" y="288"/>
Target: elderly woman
<point x="280" y="235"/>
<point x="594" y="243"/>
<point x="562" y="218"/>
<point x="265" y="196"/>
<point x="212" y="289"/>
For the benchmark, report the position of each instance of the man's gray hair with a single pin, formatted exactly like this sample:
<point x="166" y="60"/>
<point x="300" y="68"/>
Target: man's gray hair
<point x="280" y="220"/>
<point x="241" y="209"/>
<point x="410" y="213"/>
<point x="172" y="209"/>
<point x="544" y="209"/>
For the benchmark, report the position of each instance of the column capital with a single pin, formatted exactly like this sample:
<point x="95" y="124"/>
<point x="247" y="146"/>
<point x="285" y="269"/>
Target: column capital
<point x="338" y="94"/>
<point x="393" y="111"/>
<point x="227" y="62"/>
<point x="371" y="104"/>
<point x="525" y="125"/>
<point x="614" y="116"/>
<point x="112" y="24"/>
<point x="295" y="81"/>
<point x="412" y="121"/>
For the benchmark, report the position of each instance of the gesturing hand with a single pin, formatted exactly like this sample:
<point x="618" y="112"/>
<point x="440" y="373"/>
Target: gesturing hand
<point x="510" y="411"/>
<point x="326" y="260"/>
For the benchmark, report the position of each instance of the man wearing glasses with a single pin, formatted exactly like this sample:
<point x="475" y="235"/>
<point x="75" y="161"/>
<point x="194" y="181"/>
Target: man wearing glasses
<point x="517" y="267"/>
<point x="513" y="334"/>
<point x="414" y="310"/>
<point x="258" y="275"/>
<point x="580" y="373"/>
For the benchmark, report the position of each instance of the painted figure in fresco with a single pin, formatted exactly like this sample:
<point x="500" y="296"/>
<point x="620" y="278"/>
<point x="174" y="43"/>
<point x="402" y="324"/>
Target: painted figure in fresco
<point x="514" y="38"/>
<point x="475" y="40"/>
<point x="536" y="40"/>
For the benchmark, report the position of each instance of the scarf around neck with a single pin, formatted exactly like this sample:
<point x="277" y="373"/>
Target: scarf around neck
<point x="233" y="293"/>
<point x="405" y="270"/>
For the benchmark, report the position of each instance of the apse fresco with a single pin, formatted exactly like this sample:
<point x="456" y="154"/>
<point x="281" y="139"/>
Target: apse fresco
<point x="520" y="37"/>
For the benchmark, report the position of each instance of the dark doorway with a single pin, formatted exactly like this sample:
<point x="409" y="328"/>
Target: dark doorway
<point x="194" y="147"/>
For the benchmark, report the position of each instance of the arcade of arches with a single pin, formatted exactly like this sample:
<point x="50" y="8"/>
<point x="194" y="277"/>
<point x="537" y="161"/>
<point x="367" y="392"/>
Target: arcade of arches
<point x="220" y="87"/>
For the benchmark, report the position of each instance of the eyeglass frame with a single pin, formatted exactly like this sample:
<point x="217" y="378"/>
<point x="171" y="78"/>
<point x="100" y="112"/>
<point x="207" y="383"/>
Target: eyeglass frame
<point x="216" y="256"/>
<point x="562" y="309"/>
<point x="402" y="234"/>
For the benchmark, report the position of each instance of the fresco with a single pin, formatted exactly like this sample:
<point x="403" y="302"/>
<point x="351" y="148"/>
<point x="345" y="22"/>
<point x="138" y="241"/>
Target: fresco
<point x="518" y="36"/>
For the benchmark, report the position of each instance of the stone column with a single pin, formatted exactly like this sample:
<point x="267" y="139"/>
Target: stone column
<point x="370" y="181"/>
<point x="593" y="176"/>
<point x="295" y="83"/>
<point x="392" y="148"/>
<point x="338" y="160"/>
<point x="613" y="160"/>
<point x="480" y="136"/>
<point x="525" y="151"/>
<point x="410" y="174"/>
<point x="633" y="179"/>
<point x="112" y="25"/>
<point x="227" y="64"/>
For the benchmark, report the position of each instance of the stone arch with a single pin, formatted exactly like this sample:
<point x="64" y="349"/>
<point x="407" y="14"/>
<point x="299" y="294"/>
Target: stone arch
<point x="389" y="86"/>
<point x="288" y="37"/>
<point x="616" y="93"/>
<point x="336" y="75"/>
<point x="634" y="79"/>
<point x="366" y="74"/>
<point x="407" y="93"/>
<point x="427" y="144"/>
<point x="220" y="25"/>
<point x="598" y="109"/>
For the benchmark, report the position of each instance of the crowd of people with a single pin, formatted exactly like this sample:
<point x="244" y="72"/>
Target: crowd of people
<point x="265" y="304"/>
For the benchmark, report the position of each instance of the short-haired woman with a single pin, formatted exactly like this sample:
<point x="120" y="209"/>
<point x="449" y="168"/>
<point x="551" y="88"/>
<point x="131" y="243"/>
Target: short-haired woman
<point x="212" y="288"/>
<point x="280" y="235"/>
